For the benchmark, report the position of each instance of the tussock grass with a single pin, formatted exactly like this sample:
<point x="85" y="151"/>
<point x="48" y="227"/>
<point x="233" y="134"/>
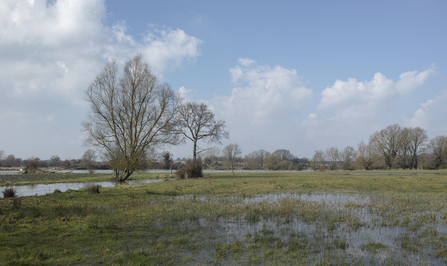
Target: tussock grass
<point x="9" y="193"/>
<point x="94" y="189"/>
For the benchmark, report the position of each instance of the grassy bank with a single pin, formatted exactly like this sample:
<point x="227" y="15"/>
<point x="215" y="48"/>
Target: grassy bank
<point x="283" y="218"/>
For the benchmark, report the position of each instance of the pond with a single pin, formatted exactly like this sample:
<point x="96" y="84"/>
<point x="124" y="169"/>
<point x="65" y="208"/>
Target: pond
<point x="43" y="189"/>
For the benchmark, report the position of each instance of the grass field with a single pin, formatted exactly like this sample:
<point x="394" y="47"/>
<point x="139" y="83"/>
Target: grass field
<point x="279" y="218"/>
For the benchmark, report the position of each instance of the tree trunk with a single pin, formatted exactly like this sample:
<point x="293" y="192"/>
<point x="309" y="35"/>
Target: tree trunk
<point x="194" y="151"/>
<point x="124" y="176"/>
<point x="232" y="168"/>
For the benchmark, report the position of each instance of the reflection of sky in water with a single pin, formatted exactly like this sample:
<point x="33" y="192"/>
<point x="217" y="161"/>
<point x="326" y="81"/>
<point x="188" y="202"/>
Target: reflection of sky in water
<point x="41" y="189"/>
<point x="370" y="231"/>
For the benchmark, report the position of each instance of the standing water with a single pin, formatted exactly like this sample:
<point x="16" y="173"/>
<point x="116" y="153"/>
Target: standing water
<point x="43" y="189"/>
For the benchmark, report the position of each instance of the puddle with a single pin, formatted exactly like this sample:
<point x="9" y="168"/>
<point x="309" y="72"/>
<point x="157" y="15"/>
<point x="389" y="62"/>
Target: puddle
<point x="43" y="189"/>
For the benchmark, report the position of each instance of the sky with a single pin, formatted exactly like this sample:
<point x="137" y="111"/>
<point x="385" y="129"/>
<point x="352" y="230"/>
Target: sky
<point x="295" y="75"/>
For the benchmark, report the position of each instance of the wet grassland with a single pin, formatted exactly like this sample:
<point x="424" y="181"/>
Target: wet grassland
<point x="273" y="218"/>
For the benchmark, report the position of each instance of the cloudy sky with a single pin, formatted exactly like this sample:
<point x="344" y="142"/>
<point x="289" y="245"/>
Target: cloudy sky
<point x="289" y="75"/>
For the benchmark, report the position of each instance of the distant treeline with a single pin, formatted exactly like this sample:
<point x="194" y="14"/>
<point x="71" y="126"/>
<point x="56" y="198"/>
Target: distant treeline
<point x="390" y="148"/>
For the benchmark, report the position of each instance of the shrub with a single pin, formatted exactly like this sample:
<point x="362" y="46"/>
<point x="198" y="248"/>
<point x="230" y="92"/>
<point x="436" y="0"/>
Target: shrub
<point x="93" y="189"/>
<point x="333" y="166"/>
<point x="192" y="169"/>
<point x="9" y="193"/>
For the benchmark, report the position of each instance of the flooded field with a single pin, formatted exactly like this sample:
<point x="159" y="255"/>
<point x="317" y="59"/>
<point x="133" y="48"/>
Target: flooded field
<point x="273" y="218"/>
<point x="325" y="228"/>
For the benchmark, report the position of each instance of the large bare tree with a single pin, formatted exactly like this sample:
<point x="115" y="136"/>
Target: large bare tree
<point x="333" y="154"/>
<point x="405" y="159"/>
<point x="88" y="158"/>
<point x="438" y="148"/>
<point x="365" y="156"/>
<point x="318" y="159"/>
<point x="231" y="152"/>
<point x="386" y="143"/>
<point x="285" y="154"/>
<point x="347" y="157"/>
<point x="129" y="114"/>
<point x="255" y="160"/>
<point x="418" y="138"/>
<point x="196" y="122"/>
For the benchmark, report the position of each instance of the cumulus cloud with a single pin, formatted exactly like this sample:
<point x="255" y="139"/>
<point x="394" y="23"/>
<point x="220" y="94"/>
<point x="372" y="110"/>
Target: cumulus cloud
<point x="52" y="50"/>
<point x="59" y="47"/>
<point x="431" y="115"/>
<point x="264" y="95"/>
<point x="358" y="95"/>
<point x="263" y="99"/>
<point x="353" y="109"/>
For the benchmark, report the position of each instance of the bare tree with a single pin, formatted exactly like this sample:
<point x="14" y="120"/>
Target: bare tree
<point x="213" y="153"/>
<point x="231" y="152"/>
<point x="332" y="154"/>
<point x="261" y="154"/>
<point x="347" y="157"/>
<point x="272" y="161"/>
<point x="129" y="114"/>
<point x="365" y="156"/>
<point x="386" y="142"/>
<point x="317" y="159"/>
<point x="255" y="159"/>
<point x="285" y="154"/>
<point x="196" y="122"/>
<point x="88" y="158"/>
<point x="438" y="148"/>
<point x="250" y="161"/>
<point x="418" y="138"/>
<point x="55" y="161"/>
<point x="11" y="161"/>
<point x="405" y="159"/>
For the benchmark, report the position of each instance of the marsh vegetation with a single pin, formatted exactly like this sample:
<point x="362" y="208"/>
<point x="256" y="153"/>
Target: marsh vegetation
<point x="281" y="218"/>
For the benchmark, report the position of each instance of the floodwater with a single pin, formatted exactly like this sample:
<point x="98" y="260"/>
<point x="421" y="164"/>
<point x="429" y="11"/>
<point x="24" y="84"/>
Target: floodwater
<point x="43" y="189"/>
<point x="320" y="236"/>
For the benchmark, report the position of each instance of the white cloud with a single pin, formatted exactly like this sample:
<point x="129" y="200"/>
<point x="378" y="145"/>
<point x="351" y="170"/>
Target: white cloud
<point x="186" y="94"/>
<point x="353" y="110"/>
<point x="354" y="94"/>
<point x="265" y="96"/>
<point x="52" y="50"/>
<point x="431" y="115"/>
<point x="263" y="107"/>
<point x="60" y="47"/>
<point x="246" y="61"/>
<point x="169" y="47"/>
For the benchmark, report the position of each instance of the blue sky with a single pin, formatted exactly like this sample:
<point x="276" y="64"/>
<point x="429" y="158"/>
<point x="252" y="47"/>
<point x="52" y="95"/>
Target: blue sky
<point x="284" y="75"/>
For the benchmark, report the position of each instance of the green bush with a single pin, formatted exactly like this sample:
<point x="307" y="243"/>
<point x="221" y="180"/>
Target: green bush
<point x="192" y="169"/>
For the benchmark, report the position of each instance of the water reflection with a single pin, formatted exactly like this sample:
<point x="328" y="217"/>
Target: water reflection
<point x="348" y="225"/>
